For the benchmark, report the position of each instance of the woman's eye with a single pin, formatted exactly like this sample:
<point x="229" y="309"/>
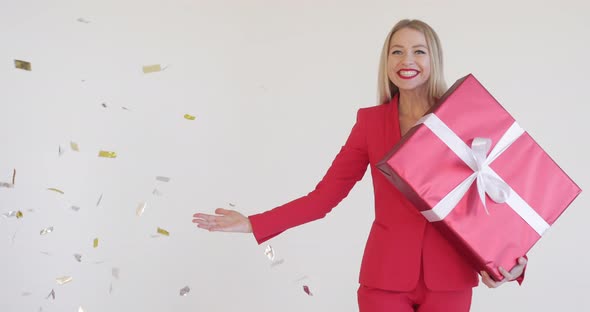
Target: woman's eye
<point x="420" y="52"/>
<point x="396" y="52"/>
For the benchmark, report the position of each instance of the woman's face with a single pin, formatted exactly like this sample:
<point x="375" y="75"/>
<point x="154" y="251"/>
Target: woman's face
<point x="408" y="63"/>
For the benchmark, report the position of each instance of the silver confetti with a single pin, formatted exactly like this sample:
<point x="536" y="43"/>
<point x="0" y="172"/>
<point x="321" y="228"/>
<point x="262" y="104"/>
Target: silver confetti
<point x="163" y="179"/>
<point x="46" y="253"/>
<point x="111" y="288"/>
<point x="140" y="209"/>
<point x="10" y="214"/>
<point x="6" y="185"/>
<point x="278" y="262"/>
<point x="156" y="192"/>
<point x="46" y="230"/>
<point x="82" y="20"/>
<point x="184" y="291"/>
<point x="60" y="150"/>
<point x="115" y="272"/>
<point x="269" y="252"/>
<point x="78" y="257"/>
<point x="51" y="294"/>
<point x="99" y="199"/>
<point x="26" y="293"/>
<point x="75" y="208"/>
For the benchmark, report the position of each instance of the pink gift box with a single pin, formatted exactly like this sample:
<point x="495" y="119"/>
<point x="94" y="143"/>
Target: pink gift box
<point x="444" y="168"/>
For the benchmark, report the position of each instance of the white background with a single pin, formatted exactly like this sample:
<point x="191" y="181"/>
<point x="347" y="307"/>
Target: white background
<point x="274" y="86"/>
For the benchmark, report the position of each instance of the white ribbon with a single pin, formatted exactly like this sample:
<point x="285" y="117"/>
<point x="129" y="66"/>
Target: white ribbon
<point x="488" y="181"/>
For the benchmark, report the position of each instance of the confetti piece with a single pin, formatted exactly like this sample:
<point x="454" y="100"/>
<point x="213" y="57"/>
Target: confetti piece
<point x="10" y="214"/>
<point x="63" y="280"/>
<point x="95" y="243"/>
<point x="99" y="199"/>
<point x="111" y="288"/>
<point x="46" y="230"/>
<point x="115" y="272"/>
<point x="6" y="185"/>
<point x="26" y="293"/>
<point x="19" y="214"/>
<point x="75" y="208"/>
<point x="24" y="65"/>
<point x="107" y="154"/>
<point x="152" y="68"/>
<point x="307" y="291"/>
<point x="125" y="108"/>
<point x="60" y="150"/>
<point x="269" y="252"/>
<point x="46" y="253"/>
<point x="82" y="20"/>
<point x="232" y="205"/>
<point x="74" y="146"/>
<point x="278" y="262"/>
<point x="13" y="176"/>
<point x="184" y="291"/>
<point x="163" y="179"/>
<point x="156" y="192"/>
<point x="163" y="232"/>
<point x="140" y="209"/>
<point x="55" y="190"/>
<point x="104" y="105"/>
<point x="78" y="257"/>
<point x="51" y="294"/>
<point x="189" y="117"/>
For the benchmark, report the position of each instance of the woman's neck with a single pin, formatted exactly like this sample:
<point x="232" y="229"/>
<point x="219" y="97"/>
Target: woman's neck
<point x="414" y="103"/>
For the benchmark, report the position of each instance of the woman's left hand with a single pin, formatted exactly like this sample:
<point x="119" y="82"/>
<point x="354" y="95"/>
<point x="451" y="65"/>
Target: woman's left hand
<point x="515" y="273"/>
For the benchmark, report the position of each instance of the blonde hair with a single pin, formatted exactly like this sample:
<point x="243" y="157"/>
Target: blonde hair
<point x="436" y="82"/>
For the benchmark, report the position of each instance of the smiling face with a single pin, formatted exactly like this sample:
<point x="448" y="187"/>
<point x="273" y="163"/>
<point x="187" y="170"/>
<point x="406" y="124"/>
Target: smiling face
<point x="408" y="63"/>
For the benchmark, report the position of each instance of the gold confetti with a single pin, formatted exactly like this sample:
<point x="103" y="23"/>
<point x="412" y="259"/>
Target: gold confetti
<point x="55" y="190"/>
<point x="24" y="65"/>
<point x="269" y="252"/>
<point x="95" y="242"/>
<point x="107" y="154"/>
<point x="46" y="230"/>
<point x="184" y="291"/>
<point x="189" y="117"/>
<point x="140" y="209"/>
<point x="19" y="214"/>
<point x="152" y="68"/>
<point x="163" y="232"/>
<point x="74" y="146"/>
<point x="63" y="280"/>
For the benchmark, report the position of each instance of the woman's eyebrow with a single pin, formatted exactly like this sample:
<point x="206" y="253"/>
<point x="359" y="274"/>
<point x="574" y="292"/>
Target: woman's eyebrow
<point x="413" y="47"/>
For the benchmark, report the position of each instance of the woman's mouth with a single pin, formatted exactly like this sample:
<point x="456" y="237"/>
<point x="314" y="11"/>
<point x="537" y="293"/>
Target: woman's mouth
<point x="407" y="73"/>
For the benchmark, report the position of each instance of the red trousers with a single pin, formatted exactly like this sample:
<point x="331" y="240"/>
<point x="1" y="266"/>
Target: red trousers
<point x="420" y="299"/>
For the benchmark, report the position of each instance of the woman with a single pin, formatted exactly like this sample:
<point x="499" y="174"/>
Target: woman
<point x="407" y="265"/>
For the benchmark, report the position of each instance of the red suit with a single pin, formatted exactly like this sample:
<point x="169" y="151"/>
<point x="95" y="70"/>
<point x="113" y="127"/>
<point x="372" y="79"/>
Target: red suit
<point x="400" y="238"/>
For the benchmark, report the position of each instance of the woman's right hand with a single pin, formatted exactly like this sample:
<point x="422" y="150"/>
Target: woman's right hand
<point x="225" y="221"/>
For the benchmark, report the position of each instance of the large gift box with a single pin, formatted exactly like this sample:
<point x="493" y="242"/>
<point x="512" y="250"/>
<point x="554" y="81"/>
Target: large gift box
<point x="479" y="178"/>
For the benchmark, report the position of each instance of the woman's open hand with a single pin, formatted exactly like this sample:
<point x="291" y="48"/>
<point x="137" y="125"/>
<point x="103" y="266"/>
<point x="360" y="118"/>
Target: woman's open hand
<point x="225" y="221"/>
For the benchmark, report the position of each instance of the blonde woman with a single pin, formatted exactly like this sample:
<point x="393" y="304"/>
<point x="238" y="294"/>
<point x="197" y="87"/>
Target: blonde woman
<point x="407" y="265"/>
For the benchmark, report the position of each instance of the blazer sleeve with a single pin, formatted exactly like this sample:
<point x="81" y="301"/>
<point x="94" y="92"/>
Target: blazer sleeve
<point x="347" y="168"/>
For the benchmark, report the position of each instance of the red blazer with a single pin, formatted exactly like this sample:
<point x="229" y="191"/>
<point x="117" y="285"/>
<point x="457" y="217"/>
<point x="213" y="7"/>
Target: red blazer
<point x="400" y="236"/>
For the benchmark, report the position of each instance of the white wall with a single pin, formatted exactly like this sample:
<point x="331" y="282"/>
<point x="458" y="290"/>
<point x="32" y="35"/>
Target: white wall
<point x="275" y="86"/>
